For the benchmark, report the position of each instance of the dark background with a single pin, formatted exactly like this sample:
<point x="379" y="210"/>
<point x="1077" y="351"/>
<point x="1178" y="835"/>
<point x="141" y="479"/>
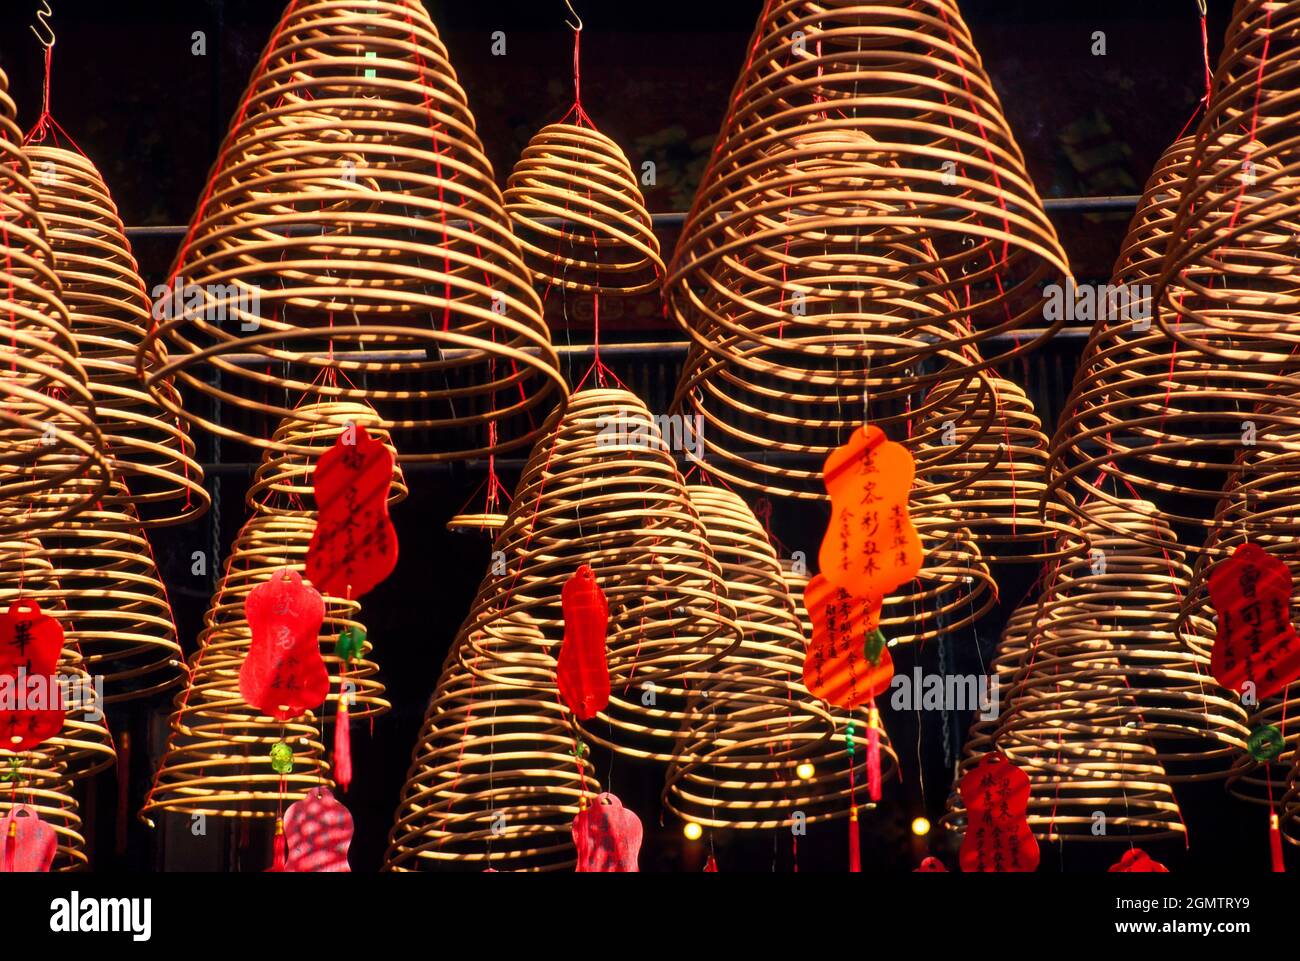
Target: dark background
<point x="656" y="77"/>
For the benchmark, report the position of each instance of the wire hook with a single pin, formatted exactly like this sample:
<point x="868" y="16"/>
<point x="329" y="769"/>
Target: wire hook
<point x="578" y="27"/>
<point x="43" y="16"/>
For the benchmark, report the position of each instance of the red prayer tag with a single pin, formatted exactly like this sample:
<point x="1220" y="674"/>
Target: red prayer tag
<point x="354" y="546"/>
<point x="870" y="546"/>
<point x="996" y="795"/>
<point x="1137" y="861"/>
<point x="27" y="844"/>
<point x="836" y="667"/>
<point x="607" y="836"/>
<point x="930" y="866"/>
<point x="582" y="668"/>
<point x="1256" y="642"/>
<point x="318" y="832"/>
<point x="284" y="674"/>
<point x="31" y="643"/>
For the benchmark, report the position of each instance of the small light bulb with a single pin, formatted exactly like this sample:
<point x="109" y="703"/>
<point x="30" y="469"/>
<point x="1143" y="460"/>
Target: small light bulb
<point x="920" y="826"/>
<point x="693" y="831"/>
<point x="805" y="771"/>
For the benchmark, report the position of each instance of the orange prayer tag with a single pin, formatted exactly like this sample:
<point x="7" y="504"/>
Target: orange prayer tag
<point x="870" y="547"/>
<point x="842" y="665"/>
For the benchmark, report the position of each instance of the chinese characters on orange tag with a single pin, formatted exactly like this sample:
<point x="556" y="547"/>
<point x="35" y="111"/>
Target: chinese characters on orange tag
<point x="1256" y="642"/>
<point x="842" y="666"/>
<point x="996" y="795"/>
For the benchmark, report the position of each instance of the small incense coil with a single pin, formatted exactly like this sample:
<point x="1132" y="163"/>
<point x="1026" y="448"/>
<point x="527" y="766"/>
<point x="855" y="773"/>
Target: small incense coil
<point x="38" y="780"/>
<point x="953" y="589"/>
<point x="484" y="523"/>
<point x="579" y="214"/>
<point x="107" y="591"/>
<point x="1240" y="212"/>
<point x="352" y="245"/>
<point x="604" y="490"/>
<point x="755" y="722"/>
<point x="1109" y="706"/>
<point x="815" y="313"/>
<point x="84" y="747"/>
<point x="48" y="434"/>
<point x="1008" y="658"/>
<point x="1150" y="417"/>
<point x="997" y="485"/>
<point x="494" y="780"/>
<point x="944" y="167"/>
<point x="109" y="315"/>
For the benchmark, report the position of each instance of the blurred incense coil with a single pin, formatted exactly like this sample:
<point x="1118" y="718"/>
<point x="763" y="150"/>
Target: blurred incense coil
<point x="352" y="244"/>
<point x="1152" y="418"/>
<point x="110" y="313"/>
<point x="48" y="435"/>
<point x="496" y="776"/>
<point x="1229" y="287"/>
<point x="996" y="485"/>
<point x="579" y="214"/>
<point x="603" y="490"/>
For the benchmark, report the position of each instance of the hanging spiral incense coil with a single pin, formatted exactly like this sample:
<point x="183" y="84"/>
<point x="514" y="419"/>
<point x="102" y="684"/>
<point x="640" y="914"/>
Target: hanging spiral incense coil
<point x="38" y="781"/>
<point x="1008" y="658"/>
<point x="604" y="490"/>
<point x="47" y="416"/>
<point x="997" y="484"/>
<point x="756" y="722"/>
<point x="1234" y="257"/>
<point x="352" y="245"/>
<point x="104" y="584"/>
<point x="109" y="315"/>
<point x="866" y="209"/>
<point x="495" y="781"/>
<point x="1109" y="706"/>
<point x="826" y="317"/>
<point x="1149" y="416"/>
<point x="580" y="216"/>
<point x="84" y="746"/>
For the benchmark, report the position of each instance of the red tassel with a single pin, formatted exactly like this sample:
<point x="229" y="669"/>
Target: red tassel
<point x="1275" y="843"/>
<point x="342" y="746"/>
<point x="711" y="866"/>
<point x="281" y="860"/>
<point x="11" y="847"/>
<point x="873" y="755"/>
<point x="855" y="846"/>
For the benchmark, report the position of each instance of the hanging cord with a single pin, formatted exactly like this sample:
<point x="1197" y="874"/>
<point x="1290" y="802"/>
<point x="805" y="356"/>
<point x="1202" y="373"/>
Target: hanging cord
<point x="1209" y="74"/>
<point x="46" y="126"/>
<point x="576" y="113"/>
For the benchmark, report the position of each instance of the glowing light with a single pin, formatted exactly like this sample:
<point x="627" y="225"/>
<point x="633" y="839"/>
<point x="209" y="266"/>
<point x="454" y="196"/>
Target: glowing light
<point x="920" y="827"/>
<point x="693" y="831"/>
<point x="805" y="771"/>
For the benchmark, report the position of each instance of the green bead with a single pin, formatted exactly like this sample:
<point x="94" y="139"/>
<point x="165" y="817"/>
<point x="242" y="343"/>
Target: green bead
<point x="1265" y="743"/>
<point x="282" y="758"/>
<point x="875" y="646"/>
<point x="351" y="643"/>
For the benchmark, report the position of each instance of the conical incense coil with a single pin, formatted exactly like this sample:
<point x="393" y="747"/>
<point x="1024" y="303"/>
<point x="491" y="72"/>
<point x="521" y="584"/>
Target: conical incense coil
<point x="996" y="486"/>
<point x="953" y="589"/>
<point x="84" y="746"/>
<point x="1240" y="211"/>
<point x="496" y="776"/>
<point x="1008" y="658"/>
<point x="352" y="245"/>
<point x="109" y="314"/>
<point x="38" y="781"/>
<point x="756" y="723"/>
<point x="1148" y="416"/>
<point x="948" y="169"/>
<point x="820" y="315"/>
<point x="1107" y="654"/>
<point x="105" y="586"/>
<point x="579" y="214"/>
<point x="604" y="490"/>
<point x="218" y="759"/>
<point x="47" y="418"/>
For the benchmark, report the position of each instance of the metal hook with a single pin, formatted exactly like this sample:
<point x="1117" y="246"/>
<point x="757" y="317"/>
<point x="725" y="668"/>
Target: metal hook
<point x="578" y="27"/>
<point x="43" y="16"/>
